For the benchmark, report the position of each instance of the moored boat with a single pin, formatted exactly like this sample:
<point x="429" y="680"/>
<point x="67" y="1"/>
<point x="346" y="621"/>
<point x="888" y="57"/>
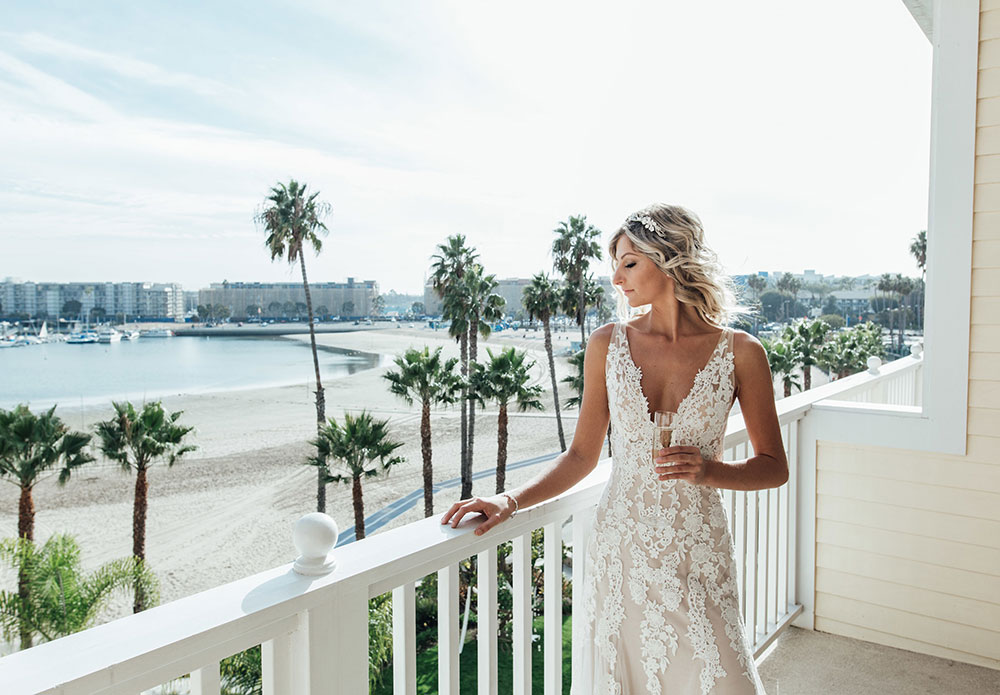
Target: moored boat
<point x="82" y="338"/>
<point x="108" y="335"/>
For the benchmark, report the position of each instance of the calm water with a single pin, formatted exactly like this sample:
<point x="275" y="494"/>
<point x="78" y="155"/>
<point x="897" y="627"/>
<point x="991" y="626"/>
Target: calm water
<point x="151" y="367"/>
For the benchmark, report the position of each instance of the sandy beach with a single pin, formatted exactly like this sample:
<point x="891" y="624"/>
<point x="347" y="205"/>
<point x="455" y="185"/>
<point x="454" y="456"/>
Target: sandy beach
<point x="226" y="511"/>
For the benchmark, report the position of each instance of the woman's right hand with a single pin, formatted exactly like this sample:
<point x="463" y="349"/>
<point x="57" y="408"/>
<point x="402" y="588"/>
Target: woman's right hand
<point x="496" y="509"/>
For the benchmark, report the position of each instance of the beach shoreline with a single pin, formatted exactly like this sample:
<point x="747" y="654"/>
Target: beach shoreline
<point x="226" y="511"/>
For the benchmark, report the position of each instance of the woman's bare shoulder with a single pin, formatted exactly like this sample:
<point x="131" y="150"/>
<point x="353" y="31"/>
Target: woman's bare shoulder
<point x="746" y="348"/>
<point x="600" y="338"/>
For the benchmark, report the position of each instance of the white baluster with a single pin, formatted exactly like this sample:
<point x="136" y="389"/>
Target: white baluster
<point x="521" y="556"/>
<point x="448" y="630"/>
<point x="583" y="522"/>
<point x="553" y="608"/>
<point x="338" y="626"/>
<point x="277" y="663"/>
<point x="404" y="640"/>
<point x="206" y="681"/>
<point x="486" y="633"/>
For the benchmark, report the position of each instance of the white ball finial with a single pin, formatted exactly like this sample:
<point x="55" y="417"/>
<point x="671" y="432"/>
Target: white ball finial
<point x="917" y="349"/>
<point x="314" y="536"/>
<point x="873" y="364"/>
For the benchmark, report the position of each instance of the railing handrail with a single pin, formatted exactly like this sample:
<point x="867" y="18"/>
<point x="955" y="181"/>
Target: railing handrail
<point x="237" y="615"/>
<point x="186" y="626"/>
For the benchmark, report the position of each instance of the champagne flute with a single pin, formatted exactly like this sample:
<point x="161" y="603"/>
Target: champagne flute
<point x="663" y="432"/>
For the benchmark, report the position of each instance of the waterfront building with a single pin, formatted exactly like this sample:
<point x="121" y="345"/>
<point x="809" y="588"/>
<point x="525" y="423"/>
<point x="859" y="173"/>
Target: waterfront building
<point x="97" y="300"/>
<point x="351" y="299"/>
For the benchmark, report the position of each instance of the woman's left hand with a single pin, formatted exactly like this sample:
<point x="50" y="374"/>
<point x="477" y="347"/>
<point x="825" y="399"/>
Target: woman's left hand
<point x="681" y="463"/>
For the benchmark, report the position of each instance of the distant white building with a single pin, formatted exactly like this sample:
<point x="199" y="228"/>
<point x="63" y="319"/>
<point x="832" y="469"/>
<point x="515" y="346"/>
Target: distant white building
<point x="142" y="300"/>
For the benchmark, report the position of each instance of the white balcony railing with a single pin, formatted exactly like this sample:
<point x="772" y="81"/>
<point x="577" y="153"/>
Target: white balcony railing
<point x="314" y="629"/>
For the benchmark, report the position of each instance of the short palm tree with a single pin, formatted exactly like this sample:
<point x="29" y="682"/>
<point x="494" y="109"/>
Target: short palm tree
<point x="135" y="440"/>
<point x="485" y="307"/>
<point x="541" y="300"/>
<point x="63" y="598"/>
<point x="357" y="446"/>
<point x="575" y="246"/>
<point x="33" y="447"/>
<point x="806" y="339"/>
<point x="293" y="220"/>
<point x="450" y="265"/>
<point x="783" y="360"/>
<point x="848" y="352"/>
<point x="504" y="379"/>
<point x="422" y="375"/>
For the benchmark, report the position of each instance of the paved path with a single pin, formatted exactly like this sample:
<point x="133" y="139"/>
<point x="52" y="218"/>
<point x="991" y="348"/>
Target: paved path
<point x="383" y="516"/>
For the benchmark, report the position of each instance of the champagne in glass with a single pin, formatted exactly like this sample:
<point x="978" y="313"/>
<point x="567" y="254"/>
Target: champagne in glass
<point x="663" y="431"/>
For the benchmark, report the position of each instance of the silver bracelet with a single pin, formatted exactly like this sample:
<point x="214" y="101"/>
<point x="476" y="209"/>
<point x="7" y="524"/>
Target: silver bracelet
<point x="512" y="499"/>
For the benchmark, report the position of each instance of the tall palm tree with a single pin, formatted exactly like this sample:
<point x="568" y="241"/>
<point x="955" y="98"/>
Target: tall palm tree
<point x="450" y="265"/>
<point x="887" y="285"/>
<point x="292" y="220"/>
<point x="356" y="446"/>
<point x="592" y="295"/>
<point x="63" y="597"/>
<point x="575" y="246"/>
<point x="33" y="447"/>
<point x="757" y="285"/>
<point x="789" y="285"/>
<point x="135" y="440"/>
<point x="505" y="379"/>
<point x="904" y="287"/>
<point x="918" y="249"/>
<point x="541" y="300"/>
<point x="485" y="307"/>
<point x="423" y="376"/>
<point x="806" y="339"/>
<point x="783" y="360"/>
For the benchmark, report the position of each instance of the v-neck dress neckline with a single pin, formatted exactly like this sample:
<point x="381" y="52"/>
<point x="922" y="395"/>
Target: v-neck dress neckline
<point x="716" y="352"/>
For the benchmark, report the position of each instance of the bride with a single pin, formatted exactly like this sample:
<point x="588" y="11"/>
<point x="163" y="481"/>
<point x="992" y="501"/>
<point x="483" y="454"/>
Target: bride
<point x="660" y="595"/>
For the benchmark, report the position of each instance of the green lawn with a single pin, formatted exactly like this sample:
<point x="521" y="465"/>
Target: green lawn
<point x="468" y="664"/>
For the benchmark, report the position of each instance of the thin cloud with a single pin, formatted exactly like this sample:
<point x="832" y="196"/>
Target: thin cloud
<point x="123" y="65"/>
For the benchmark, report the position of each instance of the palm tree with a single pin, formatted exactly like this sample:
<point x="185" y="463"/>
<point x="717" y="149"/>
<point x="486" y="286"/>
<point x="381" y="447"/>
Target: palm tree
<point x="918" y="249"/>
<point x="450" y="265"/>
<point x="505" y="379"/>
<point x="135" y="440"/>
<point x="63" y="598"/>
<point x="572" y="251"/>
<point x="356" y="446"/>
<point x="783" y="360"/>
<point x="32" y="446"/>
<point x="570" y="299"/>
<point x="422" y="375"/>
<point x="541" y="299"/>
<point x="292" y="219"/>
<point x="757" y="285"/>
<point x="887" y="285"/>
<point x="806" y="339"/>
<point x="849" y="350"/>
<point x="904" y="288"/>
<point x="274" y="309"/>
<point x="485" y="307"/>
<point x="789" y="285"/>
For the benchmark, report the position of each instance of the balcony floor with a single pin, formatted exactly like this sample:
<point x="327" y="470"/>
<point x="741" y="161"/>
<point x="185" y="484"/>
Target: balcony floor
<point x="806" y="663"/>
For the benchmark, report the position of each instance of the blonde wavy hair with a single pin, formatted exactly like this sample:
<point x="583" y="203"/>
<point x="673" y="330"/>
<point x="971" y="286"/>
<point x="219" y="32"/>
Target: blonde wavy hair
<point x="673" y="238"/>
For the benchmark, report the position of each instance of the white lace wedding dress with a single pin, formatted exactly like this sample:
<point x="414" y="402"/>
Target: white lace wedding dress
<point x="660" y="604"/>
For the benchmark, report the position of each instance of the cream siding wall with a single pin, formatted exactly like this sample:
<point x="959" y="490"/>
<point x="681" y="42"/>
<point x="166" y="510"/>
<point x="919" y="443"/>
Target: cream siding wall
<point x="908" y="543"/>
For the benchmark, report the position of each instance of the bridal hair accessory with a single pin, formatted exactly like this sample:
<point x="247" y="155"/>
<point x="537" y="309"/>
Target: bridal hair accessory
<point x="645" y="220"/>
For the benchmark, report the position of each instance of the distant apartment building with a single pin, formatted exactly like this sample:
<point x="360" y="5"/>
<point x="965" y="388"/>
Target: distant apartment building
<point x="351" y="299"/>
<point x="132" y="300"/>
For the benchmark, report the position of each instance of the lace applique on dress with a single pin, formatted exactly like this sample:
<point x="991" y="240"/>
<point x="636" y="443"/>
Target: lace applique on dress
<point x="660" y="604"/>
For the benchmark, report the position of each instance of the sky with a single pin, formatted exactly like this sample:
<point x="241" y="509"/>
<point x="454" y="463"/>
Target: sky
<point x="137" y="140"/>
